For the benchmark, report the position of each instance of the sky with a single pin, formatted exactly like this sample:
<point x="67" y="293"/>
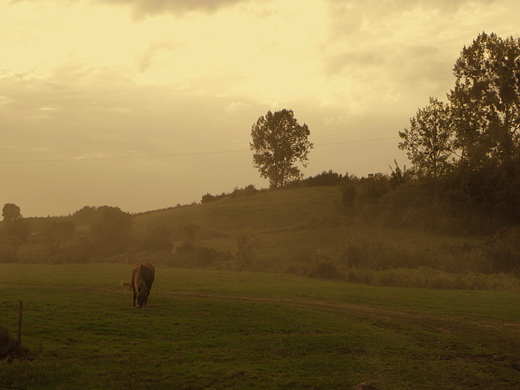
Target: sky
<point x="147" y="104"/>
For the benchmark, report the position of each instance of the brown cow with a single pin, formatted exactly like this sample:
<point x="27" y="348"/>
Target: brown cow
<point x="143" y="276"/>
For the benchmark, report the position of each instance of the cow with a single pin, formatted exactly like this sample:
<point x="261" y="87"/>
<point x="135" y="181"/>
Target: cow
<point x="143" y="276"/>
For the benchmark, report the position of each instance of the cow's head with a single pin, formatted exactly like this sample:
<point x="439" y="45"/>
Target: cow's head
<point x="142" y="296"/>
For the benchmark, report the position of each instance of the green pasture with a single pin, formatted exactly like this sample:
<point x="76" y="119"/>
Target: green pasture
<point x="210" y="329"/>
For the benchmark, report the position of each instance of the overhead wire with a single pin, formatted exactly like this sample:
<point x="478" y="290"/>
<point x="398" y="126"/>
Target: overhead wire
<point x="198" y="153"/>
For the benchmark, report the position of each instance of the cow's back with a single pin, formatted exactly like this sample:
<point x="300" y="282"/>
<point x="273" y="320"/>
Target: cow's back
<point x="143" y="272"/>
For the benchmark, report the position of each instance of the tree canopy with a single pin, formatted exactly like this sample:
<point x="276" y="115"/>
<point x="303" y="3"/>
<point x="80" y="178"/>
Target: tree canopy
<point x="278" y="143"/>
<point x="472" y="142"/>
<point x="11" y="212"/>
<point x="486" y="99"/>
<point x="430" y="139"/>
<point x="481" y="121"/>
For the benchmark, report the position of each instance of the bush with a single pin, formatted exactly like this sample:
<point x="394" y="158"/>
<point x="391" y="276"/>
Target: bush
<point x="7" y="253"/>
<point x="245" y="244"/>
<point x="158" y="239"/>
<point x="326" y="270"/>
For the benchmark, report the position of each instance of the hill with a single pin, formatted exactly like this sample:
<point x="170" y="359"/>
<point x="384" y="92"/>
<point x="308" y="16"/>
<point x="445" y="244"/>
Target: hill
<point x="267" y="210"/>
<point x="306" y="231"/>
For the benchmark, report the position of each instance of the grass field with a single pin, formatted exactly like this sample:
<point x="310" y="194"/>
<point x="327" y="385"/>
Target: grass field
<point x="208" y="329"/>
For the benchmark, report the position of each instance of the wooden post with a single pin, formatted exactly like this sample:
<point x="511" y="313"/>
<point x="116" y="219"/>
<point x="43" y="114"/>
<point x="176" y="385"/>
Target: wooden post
<point x="20" y="324"/>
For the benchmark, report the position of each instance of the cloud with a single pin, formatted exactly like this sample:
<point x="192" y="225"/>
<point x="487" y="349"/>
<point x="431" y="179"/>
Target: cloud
<point x="144" y="8"/>
<point x="144" y="60"/>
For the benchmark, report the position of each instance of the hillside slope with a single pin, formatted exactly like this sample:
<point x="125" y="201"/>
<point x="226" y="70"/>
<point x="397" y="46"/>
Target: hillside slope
<point x="264" y="211"/>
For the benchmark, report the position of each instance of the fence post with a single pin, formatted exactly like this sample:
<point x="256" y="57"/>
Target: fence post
<point x="20" y="324"/>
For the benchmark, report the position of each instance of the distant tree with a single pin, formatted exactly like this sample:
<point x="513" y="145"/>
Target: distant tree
<point x="398" y="176"/>
<point x="11" y="212"/>
<point x="430" y="140"/>
<point x="86" y="213"/>
<point x="57" y="233"/>
<point x="374" y="186"/>
<point x="158" y="239"/>
<point x="7" y="252"/>
<point x="348" y="191"/>
<point x="278" y="143"/>
<point x="15" y="229"/>
<point x="191" y="230"/>
<point x="486" y="100"/>
<point x="112" y="231"/>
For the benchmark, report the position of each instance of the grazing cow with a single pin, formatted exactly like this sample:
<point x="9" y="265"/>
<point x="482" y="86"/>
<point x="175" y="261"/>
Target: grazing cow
<point x="143" y="276"/>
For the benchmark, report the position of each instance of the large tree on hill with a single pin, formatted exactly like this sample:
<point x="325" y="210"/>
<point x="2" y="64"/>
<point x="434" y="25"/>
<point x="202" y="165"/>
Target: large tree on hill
<point x="486" y="100"/>
<point x="278" y="143"/>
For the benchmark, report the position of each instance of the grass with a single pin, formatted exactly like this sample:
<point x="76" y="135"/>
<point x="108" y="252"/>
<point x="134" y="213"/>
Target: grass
<point x="208" y="329"/>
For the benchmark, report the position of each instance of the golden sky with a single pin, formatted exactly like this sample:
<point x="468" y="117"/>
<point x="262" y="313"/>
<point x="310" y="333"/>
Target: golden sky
<point x="145" y="104"/>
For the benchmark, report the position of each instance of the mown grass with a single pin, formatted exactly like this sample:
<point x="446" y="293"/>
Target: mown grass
<point x="207" y="329"/>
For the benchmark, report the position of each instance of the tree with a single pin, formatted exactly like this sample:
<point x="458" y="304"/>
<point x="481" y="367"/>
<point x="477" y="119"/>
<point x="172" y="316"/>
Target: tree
<point x="278" y="143"/>
<point x="430" y="140"/>
<point x="11" y="212"/>
<point x="112" y="231"/>
<point x="57" y="233"/>
<point x="158" y="239"/>
<point x="15" y="229"/>
<point x="486" y="100"/>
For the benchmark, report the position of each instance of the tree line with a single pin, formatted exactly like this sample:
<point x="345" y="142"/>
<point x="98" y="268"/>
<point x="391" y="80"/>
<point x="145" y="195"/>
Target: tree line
<point x="464" y="153"/>
<point x="90" y="233"/>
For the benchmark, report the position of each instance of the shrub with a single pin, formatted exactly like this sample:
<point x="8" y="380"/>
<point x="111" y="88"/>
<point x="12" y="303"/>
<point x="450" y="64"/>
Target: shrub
<point x="245" y="245"/>
<point x="326" y="270"/>
<point x="158" y="239"/>
<point x="7" y="253"/>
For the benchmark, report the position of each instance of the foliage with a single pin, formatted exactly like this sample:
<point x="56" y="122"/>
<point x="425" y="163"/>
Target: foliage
<point x="481" y="122"/>
<point x="158" y="239"/>
<point x="237" y="192"/>
<point x="88" y="213"/>
<point x="7" y="252"/>
<point x="17" y="231"/>
<point x="58" y="233"/>
<point x="11" y="212"/>
<point x="111" y="233"/>
<point x="348" y="192"/>
<point x="245" y="245"/>
<point x="486" y="99"/>
<point x="430" y="140"/>
<point x="278" y="143"/>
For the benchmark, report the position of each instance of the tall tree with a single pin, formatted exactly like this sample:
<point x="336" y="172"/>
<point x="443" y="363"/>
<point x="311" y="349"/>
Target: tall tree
<point x="486" y="99"/>
<point x="430" y="140"/>
<point x="278" y="143"/>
